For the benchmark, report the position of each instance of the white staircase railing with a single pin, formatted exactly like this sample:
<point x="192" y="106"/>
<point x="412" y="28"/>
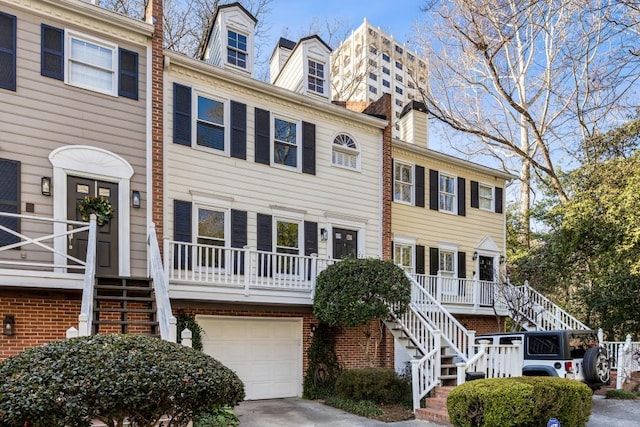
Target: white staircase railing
<point x="542" y="313"/>
<point x="494" y="361"/>
<point x="424" y="371"/>
<point x="86" y="309"/>
<point x="166" y="319"/>
<point x="453" y="333"/>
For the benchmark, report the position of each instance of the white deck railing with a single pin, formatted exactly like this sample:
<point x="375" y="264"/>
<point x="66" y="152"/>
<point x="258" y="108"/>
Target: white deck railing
<point x="494" y="361"/>
<point x="453" y="290"/>
<point x="241" y="267"/>
<point x="628" y="358"/>
<point x="45" y="254"/>
<point x="166" y="319"/>
<point x="542" y="312"/>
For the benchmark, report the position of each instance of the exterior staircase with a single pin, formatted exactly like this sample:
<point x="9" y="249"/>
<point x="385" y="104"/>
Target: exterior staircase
<point x="436" y="411"/>
<point x="124" y="305"/>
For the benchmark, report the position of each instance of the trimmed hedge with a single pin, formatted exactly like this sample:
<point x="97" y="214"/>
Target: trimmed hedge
<point x="520" y="401"/>
<point x="112" y="378"/>
<point x="378" y="385"/>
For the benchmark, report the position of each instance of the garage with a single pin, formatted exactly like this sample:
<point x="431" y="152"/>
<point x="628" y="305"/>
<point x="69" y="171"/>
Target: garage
<point x="266" y="353"/>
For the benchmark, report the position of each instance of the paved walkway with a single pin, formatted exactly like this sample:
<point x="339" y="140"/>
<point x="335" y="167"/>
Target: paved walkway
<point x="295" y="412"/>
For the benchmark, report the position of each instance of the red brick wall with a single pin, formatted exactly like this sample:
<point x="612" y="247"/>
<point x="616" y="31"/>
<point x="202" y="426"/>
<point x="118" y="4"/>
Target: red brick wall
<point x="348" y="348"/>
<point x="41" y="317"/>
<point x="482" y="324"/>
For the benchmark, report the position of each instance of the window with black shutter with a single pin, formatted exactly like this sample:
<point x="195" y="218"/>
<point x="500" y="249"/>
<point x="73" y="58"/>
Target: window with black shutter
<point x="52" y="52"/>
<point x="262" y="136"/>
<point x="238" y="147"/>
<point x="434" y="261"/>
<point x="498" y="201"/>
<point x="475" y="197"/>
<point x="181" y="114"/>
<point x="433" y="189"/>
<point x="265" y="244"/>
<point x="128" y="74"/>
<point x="182" y="232"/>
<point x="238" y="238"/>
<point x="419" y="179"/>
<point x="7" y="51"/>
<point x="462" y="203"/>
<point x="420" y="259"/>
<point x="9" y="200"/>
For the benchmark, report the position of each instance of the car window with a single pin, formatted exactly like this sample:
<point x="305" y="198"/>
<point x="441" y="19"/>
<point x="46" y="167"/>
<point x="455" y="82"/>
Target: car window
<point x="543" y="344"/>
<point x="580" y="343"/>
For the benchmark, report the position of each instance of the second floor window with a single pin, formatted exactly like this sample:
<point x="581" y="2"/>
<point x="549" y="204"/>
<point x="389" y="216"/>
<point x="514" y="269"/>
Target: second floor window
<point x="210" y="125"/>
<point x="403" y="183"/>
<point x="316" y="77"/>
<point x="485" y="197"/>
<point x="345" y="152"/>
<point x="285" y="143"/>
<point x="237" y="49"/>
<point x="447" y="193"/>
<point x="92" y="63"/>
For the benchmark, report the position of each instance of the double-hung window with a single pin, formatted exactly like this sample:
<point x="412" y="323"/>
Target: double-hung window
<point x="447" y="193"/>
<point x="403" y="256"/>
<point x="403" y="183"/>
<point x="211" y="238"/>
<point x="210" y="128"/>
<point x="485" y="197"/>
<point x="237" y="49"/>
<point x="92" y="63"/>
<point x="285" y="142"/>
<point x="7" y="51"/>
<point x="345" y="152"/>
<point x="316" y="77"/>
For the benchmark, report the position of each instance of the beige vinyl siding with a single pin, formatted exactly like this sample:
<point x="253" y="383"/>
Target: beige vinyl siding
<point x="431" y="228"/>
<point x="44" y="114"/>
<point x="256" y="188"/>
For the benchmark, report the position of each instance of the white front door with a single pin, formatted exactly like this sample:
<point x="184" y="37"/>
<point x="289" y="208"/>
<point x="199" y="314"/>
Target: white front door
<point x="266" y="353"/>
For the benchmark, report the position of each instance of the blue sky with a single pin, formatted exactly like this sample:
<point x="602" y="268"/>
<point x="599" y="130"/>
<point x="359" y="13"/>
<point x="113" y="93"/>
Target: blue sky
<point x="291" y="18"/>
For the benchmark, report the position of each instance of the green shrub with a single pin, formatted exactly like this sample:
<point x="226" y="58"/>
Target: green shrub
<point x="621" y="394"/>
<point x="323" y="369"/>
<point x="364" y="408"/>
<point x="379" y="385"/>
<point x="111" y="378"/>
<point x="519" y="401"/>
<point x="222" y="416"/>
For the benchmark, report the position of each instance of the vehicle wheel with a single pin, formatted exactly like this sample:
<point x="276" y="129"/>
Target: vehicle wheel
<point x="596" y="365"/>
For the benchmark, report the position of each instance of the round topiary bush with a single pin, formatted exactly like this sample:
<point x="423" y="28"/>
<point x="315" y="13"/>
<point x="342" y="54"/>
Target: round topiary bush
<point x="112" y="378"/>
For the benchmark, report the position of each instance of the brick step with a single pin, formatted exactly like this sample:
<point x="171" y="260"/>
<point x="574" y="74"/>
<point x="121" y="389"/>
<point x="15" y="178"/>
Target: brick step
<point x="121" y="298"/>
<point x="440" y="417"/>
<point x="436" y="403"/>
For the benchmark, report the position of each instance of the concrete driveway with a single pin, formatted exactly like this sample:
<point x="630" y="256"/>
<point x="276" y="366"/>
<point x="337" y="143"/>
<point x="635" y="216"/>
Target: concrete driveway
<point x="295" y="412"/>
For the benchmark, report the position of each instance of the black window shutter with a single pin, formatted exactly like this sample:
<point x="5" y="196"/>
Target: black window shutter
<point x="182" y="231"/>
<point x="310" y="238"/>
<point x="308" y="148"/>
<point x="7" y="51"/>
<point x="9" y="199"/>
<point x="462" y="265"/>
<point x="434" y="261"/>
<point x="420" y="259"/>
<point x="263" y="136"/>
<point x="419" y="186"/>
<point x="238" y="238"/>
<point x="52" y="52"/>
<point x="498" y="199"/>
<point x="393" y="254"/>
<point x="238" y="228"/>
<point x="182" y="114"/>
<point x="462" y="196"/>
<point x="393" y="180"/>
<point x="128" y="74"/>
<point x="238" y="130"/>
<point x="475" y="196"/>
<point x="433" y="189"/>
<point x="265" y="232"/>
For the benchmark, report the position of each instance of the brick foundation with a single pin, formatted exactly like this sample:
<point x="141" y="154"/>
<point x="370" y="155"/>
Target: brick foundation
<point x="482" y="324"/>
<point x="41" y="317"/>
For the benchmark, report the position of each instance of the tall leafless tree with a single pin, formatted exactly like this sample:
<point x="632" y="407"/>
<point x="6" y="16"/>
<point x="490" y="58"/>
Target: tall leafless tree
<point x="527" y="80"/>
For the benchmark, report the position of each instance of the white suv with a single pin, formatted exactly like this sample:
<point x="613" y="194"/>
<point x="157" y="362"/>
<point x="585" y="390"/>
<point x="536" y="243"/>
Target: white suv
<point x="573" y="354"/>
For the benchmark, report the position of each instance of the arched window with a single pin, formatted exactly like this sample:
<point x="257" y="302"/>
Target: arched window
<point x="345" y="152"/>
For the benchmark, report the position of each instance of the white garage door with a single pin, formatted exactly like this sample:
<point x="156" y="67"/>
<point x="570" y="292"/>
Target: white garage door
<point x="266" y="353"/>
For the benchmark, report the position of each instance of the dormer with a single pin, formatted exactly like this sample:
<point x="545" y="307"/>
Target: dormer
<point x="413" y="124"/>
<point x="303" y="67"/>
<point x="230" y="41"/>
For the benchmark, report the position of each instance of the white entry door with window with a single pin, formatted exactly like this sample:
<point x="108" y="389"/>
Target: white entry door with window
<point x="266" y="353"/>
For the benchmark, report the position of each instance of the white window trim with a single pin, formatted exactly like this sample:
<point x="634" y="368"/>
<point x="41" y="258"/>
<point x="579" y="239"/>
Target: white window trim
<point x="413" y="183"/>
<point x="454" y="204"/>
<point x="298" y="123"/>
<point x="347" y="150"/>
<point x="493" y="197"/>
<point x="225" y="34"/>
<point x="405" y="241"/>
<point x="71" y="34"/>
<point x="194" y="122"/>
<point x="325" y="86"/>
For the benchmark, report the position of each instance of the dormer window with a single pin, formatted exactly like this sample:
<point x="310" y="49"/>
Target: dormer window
<point x="316" y="77"/>
<point x="237" y="49"/>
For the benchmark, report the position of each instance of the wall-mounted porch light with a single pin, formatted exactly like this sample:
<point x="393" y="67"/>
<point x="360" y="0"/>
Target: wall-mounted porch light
<point x="475" y="255"/>
<point x="9" y="325"/>
<point x="324" y="234"/>
<point x="135" y="199"/>
<point x="502" y="259"/>
<point x="45" y="185"/>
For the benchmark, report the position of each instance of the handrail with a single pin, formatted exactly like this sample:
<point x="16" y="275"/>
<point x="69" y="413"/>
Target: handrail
<point x="545" y="314"/>
<point x="86" y="309"/>
<point x="453" y="333"/>
<point x="494" y="361"/>
<point x="459" y="291"/>
<point x="166" y="320"/>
